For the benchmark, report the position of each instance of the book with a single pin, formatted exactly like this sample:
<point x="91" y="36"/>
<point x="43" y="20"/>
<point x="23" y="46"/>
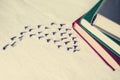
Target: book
<point x="101" y="39"/>
<point x="98" y="48"/>
<point x="107" y="26"/>
<point x="86" y="22"/>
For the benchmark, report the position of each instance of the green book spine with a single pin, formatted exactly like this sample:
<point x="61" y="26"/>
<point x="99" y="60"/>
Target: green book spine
<point x="92" y="12"/>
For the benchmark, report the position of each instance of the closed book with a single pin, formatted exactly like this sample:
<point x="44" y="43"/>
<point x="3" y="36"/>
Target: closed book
<point x="105" y="54"/>
<point x="86" y="24"/>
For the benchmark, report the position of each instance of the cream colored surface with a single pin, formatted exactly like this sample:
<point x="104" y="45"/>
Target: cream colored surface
<point x="35" y="60"/>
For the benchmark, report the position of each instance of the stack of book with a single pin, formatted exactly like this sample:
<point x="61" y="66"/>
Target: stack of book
<point x="101" y="34"/>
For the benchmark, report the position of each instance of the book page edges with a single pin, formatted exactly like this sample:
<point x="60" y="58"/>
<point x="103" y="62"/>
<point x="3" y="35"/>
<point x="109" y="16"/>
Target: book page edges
<point x="97" y="48"/>
<point x="107" y="25"/>
<point x="99" y="36"/>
